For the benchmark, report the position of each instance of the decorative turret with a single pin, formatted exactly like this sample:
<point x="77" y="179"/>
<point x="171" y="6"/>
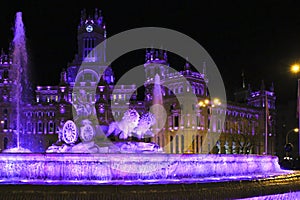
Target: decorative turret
<point x="187" y="67"/>
<point x="4" y="58"/>
<point x="156" y="61"/>
<point x="241" y="95"/>
<point x="156" y="55"/>
<point x="63" y="77"/>
<point x="97" y="19"/>
<point x="243" y="80"/>
<point x="258" y="98"/>
<point x="272" y="87"/>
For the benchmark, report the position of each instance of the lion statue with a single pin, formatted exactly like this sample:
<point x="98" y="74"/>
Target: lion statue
<point x="124" y="128"/>
<point x="143" y="127"/>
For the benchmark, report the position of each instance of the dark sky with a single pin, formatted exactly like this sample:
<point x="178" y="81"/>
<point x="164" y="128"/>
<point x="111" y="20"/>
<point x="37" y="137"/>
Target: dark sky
<point x="261" y="38"/>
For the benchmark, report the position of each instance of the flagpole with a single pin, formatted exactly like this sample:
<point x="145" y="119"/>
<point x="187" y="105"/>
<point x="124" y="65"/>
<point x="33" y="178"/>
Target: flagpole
<point x="266" y="124"/>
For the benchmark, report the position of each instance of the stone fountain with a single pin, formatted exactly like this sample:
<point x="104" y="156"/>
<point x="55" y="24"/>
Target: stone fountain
<point x="80" y="157"/>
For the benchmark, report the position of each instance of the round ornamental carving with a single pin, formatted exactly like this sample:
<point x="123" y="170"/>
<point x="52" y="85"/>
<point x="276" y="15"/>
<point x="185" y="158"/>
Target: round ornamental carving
<point x="69" y="132"/>
<point x="87" y="133"/>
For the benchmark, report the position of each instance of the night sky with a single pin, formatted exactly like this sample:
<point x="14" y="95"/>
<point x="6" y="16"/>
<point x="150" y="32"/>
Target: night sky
<point x="260" y="38"/>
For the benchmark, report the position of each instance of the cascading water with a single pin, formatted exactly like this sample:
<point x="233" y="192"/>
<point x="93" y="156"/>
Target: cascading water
<point x="21" y="86"/>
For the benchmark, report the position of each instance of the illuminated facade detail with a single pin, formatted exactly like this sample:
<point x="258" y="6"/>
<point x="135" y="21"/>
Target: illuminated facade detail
<point x="242" y="132"/>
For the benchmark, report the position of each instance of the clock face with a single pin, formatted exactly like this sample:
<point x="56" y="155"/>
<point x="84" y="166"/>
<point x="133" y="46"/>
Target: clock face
<point x="89" y="28"/>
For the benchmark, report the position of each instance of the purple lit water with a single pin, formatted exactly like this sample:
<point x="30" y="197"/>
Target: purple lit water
<point x="133" y="169"/>
<point x="21" y="86"/>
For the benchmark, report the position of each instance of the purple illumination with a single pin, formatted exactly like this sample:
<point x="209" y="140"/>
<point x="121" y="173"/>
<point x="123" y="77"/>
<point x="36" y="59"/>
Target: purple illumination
<point x="21" y="86"/>
<point x="129" y="169"/>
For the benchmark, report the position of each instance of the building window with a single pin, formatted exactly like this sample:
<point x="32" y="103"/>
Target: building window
<point x="198" y="120"/>
<point x="177" y="144"/>
<point x="89" y="44"/>
<point x="5" y="74"/>
<point x="181" y="90"/>
<point x="219" y="124"/>
<point x="171" y="144"/>
<point x="51" y="127"/>
<point x="5" y="126"/>
<point x="40" y="127"/>
<point x="29" y="127"/>
<point x="176" y="121"/>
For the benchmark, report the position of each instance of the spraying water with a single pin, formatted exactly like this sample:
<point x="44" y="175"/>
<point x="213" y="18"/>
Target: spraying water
<point x="157" y="108"/>
<point x="21" y="85"/>
<point x="20" y="60"/>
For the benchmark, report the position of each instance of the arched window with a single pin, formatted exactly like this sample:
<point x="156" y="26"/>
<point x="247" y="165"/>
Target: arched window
<point x="5" y="74"/>
<point x="40" y="127"/>
<point x="176" y="119"/>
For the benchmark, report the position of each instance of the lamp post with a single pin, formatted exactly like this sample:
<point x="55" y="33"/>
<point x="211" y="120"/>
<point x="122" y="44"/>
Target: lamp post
<point x="209" y="104"/>
<point x="296" y="130"/>
<point x="288" y="147"/>
<point x="295" y="69"/>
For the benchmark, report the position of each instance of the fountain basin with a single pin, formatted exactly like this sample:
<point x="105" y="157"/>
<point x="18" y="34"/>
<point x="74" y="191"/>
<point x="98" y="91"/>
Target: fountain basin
<point x="130" y="168"/>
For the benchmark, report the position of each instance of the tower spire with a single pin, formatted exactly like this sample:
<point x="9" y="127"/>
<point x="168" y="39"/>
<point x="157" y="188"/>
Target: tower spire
<point x="187" y="64"/>
<point x="96" y="14"/>
<point x="243" y="80"/>
<point x="83" y="16"/>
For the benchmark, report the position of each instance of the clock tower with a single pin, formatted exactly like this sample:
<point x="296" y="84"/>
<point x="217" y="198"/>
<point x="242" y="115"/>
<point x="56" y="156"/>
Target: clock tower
<point x="91" y="32"/>
<point x="90" y="62"/>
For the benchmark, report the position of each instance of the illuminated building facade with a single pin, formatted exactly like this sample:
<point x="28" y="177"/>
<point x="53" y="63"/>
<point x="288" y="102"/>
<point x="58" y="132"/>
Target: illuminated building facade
<point x="242" y="132"/>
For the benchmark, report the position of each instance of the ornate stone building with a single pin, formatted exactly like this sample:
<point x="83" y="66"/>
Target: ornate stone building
<point x="188" y="129"/>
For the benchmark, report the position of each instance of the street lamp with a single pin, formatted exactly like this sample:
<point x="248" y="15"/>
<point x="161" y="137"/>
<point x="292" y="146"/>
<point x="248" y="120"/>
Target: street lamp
<point x="213" y="103"/>
<point x="295" y="68"/>
<point x="208" y="106"/>
<point x="288" y="146"/>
